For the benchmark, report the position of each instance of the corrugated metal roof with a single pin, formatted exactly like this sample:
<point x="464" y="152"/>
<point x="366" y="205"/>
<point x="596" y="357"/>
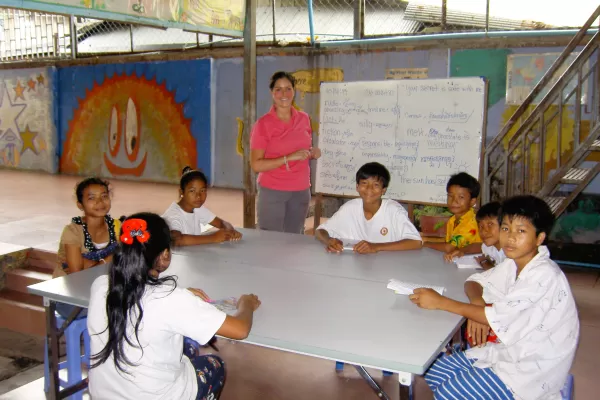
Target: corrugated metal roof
<point x="433" y="14"/>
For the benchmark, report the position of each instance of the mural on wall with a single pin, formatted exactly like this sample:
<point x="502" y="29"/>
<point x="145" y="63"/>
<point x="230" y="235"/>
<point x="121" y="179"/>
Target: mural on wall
<point x="28" y="134"/>
<point x="136" y="121"/>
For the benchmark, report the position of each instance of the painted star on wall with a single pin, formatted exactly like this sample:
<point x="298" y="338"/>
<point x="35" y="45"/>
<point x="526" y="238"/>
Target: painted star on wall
<point x="28" y="137"/>
<point x="31" y="84"/>
<point x="19" y="90"/>
<point x="41" y="80"/>
<point x="9" y="113"/>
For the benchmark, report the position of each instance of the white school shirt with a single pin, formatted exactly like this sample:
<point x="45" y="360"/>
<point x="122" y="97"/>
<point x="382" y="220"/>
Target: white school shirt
<point x="493" y="253"/>
<point x="389" y="224"/>
<point x="163" y="372"/>
<point x="535" y="319"/>
<point x="187" y="223"/>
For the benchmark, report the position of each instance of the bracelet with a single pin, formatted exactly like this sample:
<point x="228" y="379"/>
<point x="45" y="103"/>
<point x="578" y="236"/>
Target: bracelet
<point x="101" y="261"/>
<point x="286" y="163"/>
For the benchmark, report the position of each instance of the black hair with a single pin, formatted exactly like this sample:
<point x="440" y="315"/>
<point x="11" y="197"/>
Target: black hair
<point x="531" y="208"/>
<point x="373" y="170"/>
<point x="489" y="210"/>
<point x="128" y="278"/>
<point x="280" y="75"/>
<point x="188" y="175"/>
<point x="466" y="181"/>
<point x="84" y="184"/>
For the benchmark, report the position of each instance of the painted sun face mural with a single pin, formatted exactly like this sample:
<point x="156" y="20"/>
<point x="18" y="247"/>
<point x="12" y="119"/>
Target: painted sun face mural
<point x="129" y="127"/>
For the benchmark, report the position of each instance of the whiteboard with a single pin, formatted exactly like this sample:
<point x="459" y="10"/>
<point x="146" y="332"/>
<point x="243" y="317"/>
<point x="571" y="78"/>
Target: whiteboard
<point x="423" y="131"/>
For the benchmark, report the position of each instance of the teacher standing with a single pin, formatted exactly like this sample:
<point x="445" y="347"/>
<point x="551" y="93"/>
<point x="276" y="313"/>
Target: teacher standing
<point x="281" y="149"/>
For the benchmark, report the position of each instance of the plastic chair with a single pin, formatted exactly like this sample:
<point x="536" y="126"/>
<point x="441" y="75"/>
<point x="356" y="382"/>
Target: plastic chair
<point x="566" y="392"/>
<point x="73" y="334"/>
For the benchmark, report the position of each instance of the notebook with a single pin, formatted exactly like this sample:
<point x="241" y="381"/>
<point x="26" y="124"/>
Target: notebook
<point x="407" y="288"/>
<point x="468" y="261"/>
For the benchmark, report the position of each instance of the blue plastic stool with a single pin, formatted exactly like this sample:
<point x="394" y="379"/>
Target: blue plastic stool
<point x="73" y="334"/>
<point x="566" y="392"/>
<point x="339" y="366"/>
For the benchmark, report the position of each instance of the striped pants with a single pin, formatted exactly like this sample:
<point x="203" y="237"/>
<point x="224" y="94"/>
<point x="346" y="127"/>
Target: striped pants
<point x="455" y="378"/>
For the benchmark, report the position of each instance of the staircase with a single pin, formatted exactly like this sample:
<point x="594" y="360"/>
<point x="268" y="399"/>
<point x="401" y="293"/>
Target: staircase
<point x="21" y="311"/>
<point x="533" y="153"/>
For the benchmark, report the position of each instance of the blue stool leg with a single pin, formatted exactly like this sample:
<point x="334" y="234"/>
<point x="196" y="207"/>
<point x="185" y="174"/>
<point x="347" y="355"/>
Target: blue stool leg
<point x="74" y="362"/>
<point x="339" y="366"/>
<point x="86" y="347"/>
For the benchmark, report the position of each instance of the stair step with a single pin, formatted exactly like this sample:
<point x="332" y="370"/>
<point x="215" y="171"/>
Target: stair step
<point x="42" y="259"/>
<point x="575" y="175"/>
<point x="22" y="312"/>
<point x="596" y="145"/>
<point x="18" y="279"/>
<point x="554" y="202"/>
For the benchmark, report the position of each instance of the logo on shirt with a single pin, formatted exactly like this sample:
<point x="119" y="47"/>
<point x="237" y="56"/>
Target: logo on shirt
<point x="383" y="231"/>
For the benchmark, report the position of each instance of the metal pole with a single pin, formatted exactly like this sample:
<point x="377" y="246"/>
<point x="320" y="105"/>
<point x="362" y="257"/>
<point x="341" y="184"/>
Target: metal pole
<point x="359" y="19"/>
<point x="311" y="22"/>
<point x="249" y="111"/>
<point x="487" y="16"/>
<point x="444" y="10"/>
<point x="274" y="30"/>
<point x="73" y="29"/>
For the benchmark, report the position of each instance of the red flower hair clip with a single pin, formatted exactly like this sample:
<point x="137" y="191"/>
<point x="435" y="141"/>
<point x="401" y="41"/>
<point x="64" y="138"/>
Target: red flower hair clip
<point x="134" y="228"/>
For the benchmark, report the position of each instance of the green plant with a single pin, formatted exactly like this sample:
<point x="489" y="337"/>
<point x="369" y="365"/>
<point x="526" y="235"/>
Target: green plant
<point x="433" y="211"/>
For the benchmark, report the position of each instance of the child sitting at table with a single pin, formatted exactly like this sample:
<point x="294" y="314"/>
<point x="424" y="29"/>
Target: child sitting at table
<point x="489" y="231"/>
<point x="89" y="240"/>
<point x="137" y="322"/>
<point x="372" y="223"/>
<point x="461" y="229"/>
<point x="527" y="302"/>
<point x="188" y="218"/>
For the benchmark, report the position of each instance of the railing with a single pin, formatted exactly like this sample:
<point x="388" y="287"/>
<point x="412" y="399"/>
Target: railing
<point x="536" y="140"/>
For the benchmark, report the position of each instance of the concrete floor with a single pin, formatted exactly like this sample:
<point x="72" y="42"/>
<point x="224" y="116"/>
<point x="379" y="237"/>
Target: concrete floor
<point x="35" y="207"/>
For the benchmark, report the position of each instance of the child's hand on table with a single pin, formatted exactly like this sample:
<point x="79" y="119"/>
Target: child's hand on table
<point x="200" y="293"/>
<point x="364" y="247"/>
<point x="456" y="253"/>
<point x="248" y="300"/>
<point x="426" y="298"/>
<point x="235" y="235"/>
<point x="334" y="246"/>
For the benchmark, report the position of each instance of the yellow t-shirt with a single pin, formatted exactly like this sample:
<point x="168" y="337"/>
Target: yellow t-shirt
<point x="465" y="232"/>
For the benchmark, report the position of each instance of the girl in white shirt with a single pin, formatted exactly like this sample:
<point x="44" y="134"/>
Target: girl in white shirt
<point x="188" y="218"/>
<point x="137" y="322"/>
<point x="526" y="300"/>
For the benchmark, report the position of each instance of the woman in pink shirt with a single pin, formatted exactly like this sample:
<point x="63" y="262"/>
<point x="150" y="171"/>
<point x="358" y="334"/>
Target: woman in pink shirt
<point x="281" y="149"/>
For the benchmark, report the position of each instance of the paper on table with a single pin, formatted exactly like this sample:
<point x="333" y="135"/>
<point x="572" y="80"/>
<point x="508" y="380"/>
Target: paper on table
<point x="349" y="244"/>
<point x="407" y="288"/>
<point x="468" y="261"/>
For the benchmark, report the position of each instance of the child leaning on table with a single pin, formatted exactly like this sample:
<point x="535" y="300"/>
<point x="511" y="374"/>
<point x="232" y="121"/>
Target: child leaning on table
<point x="376" y="224"/>
<point x="526" y="300"/>
<point x="137" y="322"/>
<point x="461" y="229"/>
<point x="188" y="217"/>
<point x="489" y="231"/>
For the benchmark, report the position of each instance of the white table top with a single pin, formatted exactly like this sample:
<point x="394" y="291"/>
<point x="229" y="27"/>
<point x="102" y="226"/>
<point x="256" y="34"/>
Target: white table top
<point x="323" y="305"/>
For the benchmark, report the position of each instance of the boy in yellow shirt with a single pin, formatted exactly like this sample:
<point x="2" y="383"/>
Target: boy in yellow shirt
<point x="462" y="228"/>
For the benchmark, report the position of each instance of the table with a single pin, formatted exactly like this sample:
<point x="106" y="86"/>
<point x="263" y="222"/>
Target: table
<point x="313" y="303"/>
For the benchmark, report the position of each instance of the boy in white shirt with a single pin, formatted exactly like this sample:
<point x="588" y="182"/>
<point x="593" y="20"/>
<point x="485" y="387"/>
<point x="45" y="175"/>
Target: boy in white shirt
<point x="489" y="231"/>
<point x="526" y="300"/>
<point x="373" y="223"/>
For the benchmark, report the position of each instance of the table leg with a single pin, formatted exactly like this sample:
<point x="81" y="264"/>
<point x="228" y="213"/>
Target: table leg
<point x="52" y="338"/>
<point x="365" y="375"/>
<point x="406" y="380"/>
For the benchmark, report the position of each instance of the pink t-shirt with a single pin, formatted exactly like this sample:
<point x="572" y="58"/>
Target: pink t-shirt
<point x="278" y="138"/>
